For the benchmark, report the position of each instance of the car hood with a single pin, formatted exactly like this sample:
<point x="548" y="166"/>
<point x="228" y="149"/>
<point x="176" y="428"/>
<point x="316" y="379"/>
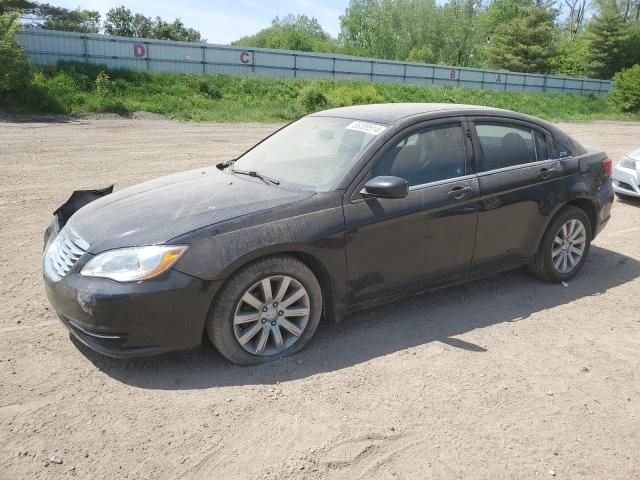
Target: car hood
<point x="634" y="154"/>
<point x="159" y="210"/>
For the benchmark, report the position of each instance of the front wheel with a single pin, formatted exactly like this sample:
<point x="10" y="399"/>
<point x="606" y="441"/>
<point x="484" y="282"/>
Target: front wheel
<point x="267" y="310"/>
<point x="564" y="247"/>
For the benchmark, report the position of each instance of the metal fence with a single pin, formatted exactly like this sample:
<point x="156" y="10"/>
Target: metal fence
<point x="48" y="46"/>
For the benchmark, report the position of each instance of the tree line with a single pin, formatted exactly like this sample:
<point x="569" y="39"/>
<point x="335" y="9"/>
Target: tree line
<point x="567" y="37"/>
<point x="593" y="38"/>
<point x="118" y="21"/>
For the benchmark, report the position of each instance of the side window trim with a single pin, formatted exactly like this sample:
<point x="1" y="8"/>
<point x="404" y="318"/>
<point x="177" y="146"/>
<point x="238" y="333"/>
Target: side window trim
<point x="363" y="176"/>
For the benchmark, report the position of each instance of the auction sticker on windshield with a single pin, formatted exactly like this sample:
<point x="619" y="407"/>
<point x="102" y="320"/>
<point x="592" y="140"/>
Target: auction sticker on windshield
<point x="366" y="127"/>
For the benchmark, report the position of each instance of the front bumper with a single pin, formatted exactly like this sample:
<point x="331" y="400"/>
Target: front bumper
<point x="626" y="181"/>
<point x="163" y="314"/>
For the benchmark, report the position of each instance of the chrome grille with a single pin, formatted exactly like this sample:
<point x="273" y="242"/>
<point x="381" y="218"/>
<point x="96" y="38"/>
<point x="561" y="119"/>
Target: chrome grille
<point x="63" y="253"/>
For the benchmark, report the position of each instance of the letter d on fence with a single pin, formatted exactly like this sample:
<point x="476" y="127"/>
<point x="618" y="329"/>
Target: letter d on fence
<point x="138" y="50"/>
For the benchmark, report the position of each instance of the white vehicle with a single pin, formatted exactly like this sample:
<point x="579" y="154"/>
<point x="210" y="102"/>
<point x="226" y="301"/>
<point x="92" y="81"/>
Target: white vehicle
<point x="626" y="175"/>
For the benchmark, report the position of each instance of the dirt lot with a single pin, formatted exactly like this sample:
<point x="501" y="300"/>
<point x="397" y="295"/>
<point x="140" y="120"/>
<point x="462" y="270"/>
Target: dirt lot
<point x="503" y="378"/>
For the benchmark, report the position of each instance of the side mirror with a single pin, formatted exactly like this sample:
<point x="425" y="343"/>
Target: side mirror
<point x="386" y="187"/>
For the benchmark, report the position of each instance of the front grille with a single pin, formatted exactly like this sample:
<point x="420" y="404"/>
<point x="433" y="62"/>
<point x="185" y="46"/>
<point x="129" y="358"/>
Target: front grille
<point x="63" y="253"/>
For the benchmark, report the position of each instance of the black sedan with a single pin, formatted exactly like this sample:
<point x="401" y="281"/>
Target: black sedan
<point x="340" y="210"/>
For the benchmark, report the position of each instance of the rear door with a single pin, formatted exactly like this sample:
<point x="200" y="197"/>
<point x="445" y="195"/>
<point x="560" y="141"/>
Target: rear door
<point x="394" y="244"/>
<point x="519" y="188"/>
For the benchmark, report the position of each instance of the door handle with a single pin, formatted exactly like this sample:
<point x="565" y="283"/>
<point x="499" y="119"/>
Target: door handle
<point x="545" y="173"/>
<point x="459" y="193"/>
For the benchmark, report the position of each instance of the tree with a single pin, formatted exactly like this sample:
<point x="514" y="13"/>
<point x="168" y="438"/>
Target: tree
<point x="291" y="32"/>
<point x="174" y="31"/>
<point x="526" y="42"/>
<point x="576" y="15"/>
<point x="122" y="22"/>
<point x="43" y="15"/>
<point x="421" y="55"/>
<point x="14" y="67"/>
<point x="608" y="37"/>
<point x="572" y="54"/>
<point x="58" y="18"/>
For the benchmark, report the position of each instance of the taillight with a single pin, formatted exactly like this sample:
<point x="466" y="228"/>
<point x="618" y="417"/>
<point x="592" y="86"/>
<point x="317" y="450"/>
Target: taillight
<point x="607" y="166"/>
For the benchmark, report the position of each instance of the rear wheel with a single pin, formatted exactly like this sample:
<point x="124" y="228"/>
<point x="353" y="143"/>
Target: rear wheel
<point x="267" y="310"/>
<point x="564" y="247"/>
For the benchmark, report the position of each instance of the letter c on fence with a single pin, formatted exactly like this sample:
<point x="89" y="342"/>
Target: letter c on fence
<point x="245" y="57"/>
<point x="138" y="50"/>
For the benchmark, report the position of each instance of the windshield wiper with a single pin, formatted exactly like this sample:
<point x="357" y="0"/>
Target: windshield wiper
<point x="255" y="174"/>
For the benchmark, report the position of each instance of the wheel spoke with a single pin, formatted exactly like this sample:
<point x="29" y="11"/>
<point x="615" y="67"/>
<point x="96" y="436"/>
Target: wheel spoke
<point x="246" y="317"/>
<point x="251" y="299"/>
<point x="294" y="297"/>
<point x="556" y="252"/>
<point x="557" y="240"/>
<point x="296" y="312"/>
<point x="277" y="337"/>
<point x="264" y="338"/>
<point x="571" y="259"/>
<point x="564" y="262"/>
<point x="557" y="262"/>
<point x="284" y="286"/>
<point x="579" y="230"/>
<point x="249" y="334"/>
<point x="290" y="327"/>
<point x="577" y="251"/>
<point x="266" y="290"/>
<point x="580" y="240"/>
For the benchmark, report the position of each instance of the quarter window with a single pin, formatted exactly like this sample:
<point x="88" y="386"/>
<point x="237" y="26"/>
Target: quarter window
<point x="429" y="155"/>
<point x="504" y="146"/>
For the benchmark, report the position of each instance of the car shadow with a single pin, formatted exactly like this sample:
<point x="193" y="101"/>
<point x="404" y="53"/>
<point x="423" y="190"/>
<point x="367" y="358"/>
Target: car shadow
<point x="435" y="317"/>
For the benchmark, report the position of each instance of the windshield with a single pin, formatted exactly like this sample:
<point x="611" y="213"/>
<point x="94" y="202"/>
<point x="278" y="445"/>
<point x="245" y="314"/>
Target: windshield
<point x="312" y="153"/>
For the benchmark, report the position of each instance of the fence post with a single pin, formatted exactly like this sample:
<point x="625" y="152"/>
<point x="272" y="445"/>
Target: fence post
<point x="404" y="74"/>
<point x="564" y="83"/>
<point x="85" y="49"/>
<point x="204" y="69"/>
<point x="544" y="85"/>
<point x="333" y="68"/>
<point x="371" y="72"/>
<point x="295" y="65"/>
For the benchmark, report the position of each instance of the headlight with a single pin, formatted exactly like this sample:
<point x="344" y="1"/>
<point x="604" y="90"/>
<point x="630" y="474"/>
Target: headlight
<point x="626" y="162"/>
<point x="133" y="264"/>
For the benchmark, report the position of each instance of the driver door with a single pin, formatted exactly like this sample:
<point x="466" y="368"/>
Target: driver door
<point x="397" y="244"/>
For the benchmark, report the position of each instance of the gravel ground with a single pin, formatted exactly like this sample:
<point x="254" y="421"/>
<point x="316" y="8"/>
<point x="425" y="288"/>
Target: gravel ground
<point x="502" y="378"/>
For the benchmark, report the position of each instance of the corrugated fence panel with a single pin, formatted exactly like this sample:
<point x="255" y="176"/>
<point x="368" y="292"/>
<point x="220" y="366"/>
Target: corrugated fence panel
<point x="48" y="46"/>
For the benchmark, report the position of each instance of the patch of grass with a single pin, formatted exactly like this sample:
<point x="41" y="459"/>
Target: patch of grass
<point x="72" y="88"/>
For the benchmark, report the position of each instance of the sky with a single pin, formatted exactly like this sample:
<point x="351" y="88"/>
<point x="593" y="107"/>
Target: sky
<point x="223" y="21"/>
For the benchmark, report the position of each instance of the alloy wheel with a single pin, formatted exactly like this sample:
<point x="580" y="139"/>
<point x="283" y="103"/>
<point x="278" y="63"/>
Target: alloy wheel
<point x="271" y="315"/>
<point x="568" y="246"/>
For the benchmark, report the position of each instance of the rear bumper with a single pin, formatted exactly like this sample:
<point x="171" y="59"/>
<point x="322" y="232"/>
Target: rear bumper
<point x="167" y="313"/>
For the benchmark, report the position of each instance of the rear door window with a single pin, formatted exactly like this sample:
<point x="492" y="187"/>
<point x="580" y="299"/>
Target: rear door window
<point x="504" y="145"/>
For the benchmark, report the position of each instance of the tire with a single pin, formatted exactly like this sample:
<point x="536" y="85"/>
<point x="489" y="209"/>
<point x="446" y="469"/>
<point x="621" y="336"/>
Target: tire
<point x="231" y="318"/>
<point x="542" y="265"/>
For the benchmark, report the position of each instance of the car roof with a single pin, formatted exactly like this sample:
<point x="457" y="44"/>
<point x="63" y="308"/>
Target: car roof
<point x="389" y="113"/>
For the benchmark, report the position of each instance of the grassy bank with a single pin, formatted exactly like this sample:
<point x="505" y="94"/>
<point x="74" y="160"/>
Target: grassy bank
<point x="72" y="88"/>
